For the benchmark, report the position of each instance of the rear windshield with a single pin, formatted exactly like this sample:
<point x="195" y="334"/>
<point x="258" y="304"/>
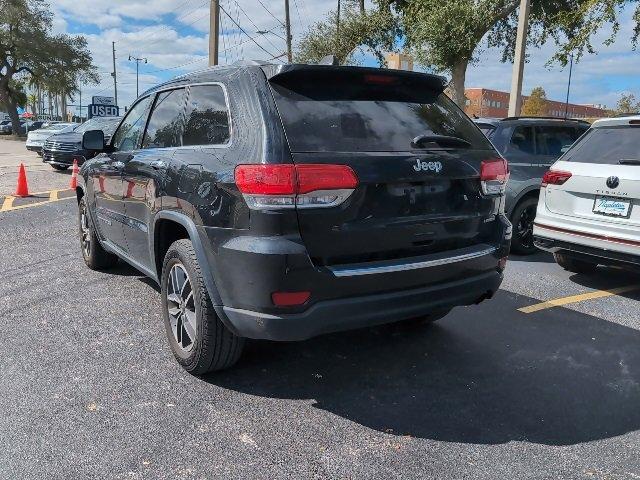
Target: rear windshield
<point x="486" y="128"/>
<point x="608" y="145"/>
<point x="327" y="116"/>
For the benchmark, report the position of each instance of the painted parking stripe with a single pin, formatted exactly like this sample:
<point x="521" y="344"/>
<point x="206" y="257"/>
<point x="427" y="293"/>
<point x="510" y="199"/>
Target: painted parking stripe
<point x="559" y="302"/>
<point x="7" y="203"/>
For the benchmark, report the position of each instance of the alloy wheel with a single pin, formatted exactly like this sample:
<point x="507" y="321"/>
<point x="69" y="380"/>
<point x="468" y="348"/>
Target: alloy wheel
<point x="85" y="232"/>
<point x="524" y="228"/>
<point x="181" y="307"/>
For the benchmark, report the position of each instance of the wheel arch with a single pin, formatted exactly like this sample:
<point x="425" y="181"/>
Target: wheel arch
<point x="169" y="226"/>
<point x="529" y="192"/>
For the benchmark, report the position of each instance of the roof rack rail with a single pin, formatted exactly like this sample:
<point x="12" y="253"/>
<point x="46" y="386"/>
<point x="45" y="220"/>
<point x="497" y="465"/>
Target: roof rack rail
<point x="531" y="117"/>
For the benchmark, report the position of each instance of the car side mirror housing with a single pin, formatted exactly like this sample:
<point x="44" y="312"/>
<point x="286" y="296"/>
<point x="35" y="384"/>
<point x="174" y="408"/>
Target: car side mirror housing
<point x="93" y="140"/>
<point x="565" y="149"/>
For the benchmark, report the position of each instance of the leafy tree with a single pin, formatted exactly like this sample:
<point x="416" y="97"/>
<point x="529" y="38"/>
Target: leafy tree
<point x="627" y="103"/>
<point x="29" y="48"/>
<point x="536" y="104"/>
<point x="445" y="35"/>
<point x="355" y="28"/>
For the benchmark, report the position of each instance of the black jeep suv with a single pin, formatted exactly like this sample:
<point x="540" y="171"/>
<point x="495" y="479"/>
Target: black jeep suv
<point x="285" y="201"/>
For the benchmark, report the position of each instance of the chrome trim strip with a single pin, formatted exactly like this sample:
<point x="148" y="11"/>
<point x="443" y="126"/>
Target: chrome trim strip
<point x="444" y="260"/>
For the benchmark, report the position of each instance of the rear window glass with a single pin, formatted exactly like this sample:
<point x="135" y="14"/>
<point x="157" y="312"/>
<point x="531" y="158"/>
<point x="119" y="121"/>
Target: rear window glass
<point x="486" y="128"/>
<point x="321" y="116"/>
<point x="608" y="145"/>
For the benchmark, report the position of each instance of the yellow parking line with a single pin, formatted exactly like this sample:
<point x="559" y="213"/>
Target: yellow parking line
<point x="7" y="203"/>
<point x="53" y="195"/>
<point x="558" y="302"/>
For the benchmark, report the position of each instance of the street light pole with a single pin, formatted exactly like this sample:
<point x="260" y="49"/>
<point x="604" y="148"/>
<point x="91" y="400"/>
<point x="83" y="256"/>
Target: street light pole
<point x="515" y="98"/>
<point x="214" y="31"/>
<point x="137" y="60"/>
<point x="566" y="104"/>
<point x="287" y="21"/>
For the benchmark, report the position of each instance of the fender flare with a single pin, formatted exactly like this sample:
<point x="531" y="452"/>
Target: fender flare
<point x="198" y="247"/>
<point x="525" y="192"/>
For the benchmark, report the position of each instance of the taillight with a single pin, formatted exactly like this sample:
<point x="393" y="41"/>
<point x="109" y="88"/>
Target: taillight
<point x="555" y="177"/>
<point x="494" y="175"/>
<point x="288" y="186"/>
<point x="289" y="299"/>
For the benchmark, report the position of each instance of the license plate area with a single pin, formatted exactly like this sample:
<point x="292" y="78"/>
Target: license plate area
<point x="612" y="206"/>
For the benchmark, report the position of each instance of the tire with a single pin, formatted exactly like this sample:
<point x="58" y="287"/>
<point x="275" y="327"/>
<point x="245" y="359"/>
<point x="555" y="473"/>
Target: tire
<point x="208" y="345"/>
<point x="96" y="257"/>
<point x="522" y="219"/>
<point x="428" y="319"/>
<point x="60" y="168"/>
<point x="574" y="265"/>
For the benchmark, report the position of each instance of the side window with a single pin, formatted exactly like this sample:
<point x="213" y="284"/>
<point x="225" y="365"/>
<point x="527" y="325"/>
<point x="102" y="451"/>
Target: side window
<point x="522" y="140"/>
<point x="207" y="118"/>
<point x="127" y="136"/>
<point x="550" y="139"/>
<point x="166" y="122"/>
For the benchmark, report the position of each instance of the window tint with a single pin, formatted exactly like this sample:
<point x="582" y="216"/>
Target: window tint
<point x="550" y="140"/>
<point x="522" y="139"/>
<point x="355" y="117"/>
<point x="207" y="119"/>
<point x="606" y="145"/>
<point x="166" y="122"/>
<point x="127" y="136"/>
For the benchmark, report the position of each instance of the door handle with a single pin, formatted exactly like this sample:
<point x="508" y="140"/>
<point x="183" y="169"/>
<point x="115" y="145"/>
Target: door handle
<point x="158" y="165"/>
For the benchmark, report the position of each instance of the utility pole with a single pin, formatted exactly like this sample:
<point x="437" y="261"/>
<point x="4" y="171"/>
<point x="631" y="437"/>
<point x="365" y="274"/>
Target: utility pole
<point x="214" y="31"/>
<point x="566" y="104"/>
<point x="137" y="60"/>
<point x="113" y="74"/>
<point x="515" y="98"/>
<point x="287" y="21"/>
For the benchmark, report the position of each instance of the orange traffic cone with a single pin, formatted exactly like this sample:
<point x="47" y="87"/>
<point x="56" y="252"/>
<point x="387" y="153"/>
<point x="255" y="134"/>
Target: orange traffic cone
<point x="22" y="190"/>
<point x="74" y="175"/>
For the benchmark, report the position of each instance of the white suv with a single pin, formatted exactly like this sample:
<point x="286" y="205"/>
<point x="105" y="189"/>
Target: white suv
<point x="589" y="207"/>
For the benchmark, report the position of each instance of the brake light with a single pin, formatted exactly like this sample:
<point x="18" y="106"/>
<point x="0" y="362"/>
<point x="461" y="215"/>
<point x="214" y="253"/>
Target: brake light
<point x="288" y="186"/>
<point x="494" y="175"/>
<point x="555" y="177"/>
<point x="376" y="79"/>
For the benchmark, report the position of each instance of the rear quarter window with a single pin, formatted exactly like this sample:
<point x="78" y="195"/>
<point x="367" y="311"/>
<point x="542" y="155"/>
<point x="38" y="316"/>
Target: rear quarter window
<point x="606" y="145"/>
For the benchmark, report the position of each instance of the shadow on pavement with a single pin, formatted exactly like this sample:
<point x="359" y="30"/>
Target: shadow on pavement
<point x="538" y="257"/>
<point x="485" y="374"/>
<point x="606" y="278"/>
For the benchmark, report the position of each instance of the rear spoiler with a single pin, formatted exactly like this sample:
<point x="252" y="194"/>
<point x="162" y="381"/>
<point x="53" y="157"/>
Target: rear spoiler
<point x="284" y="74"/>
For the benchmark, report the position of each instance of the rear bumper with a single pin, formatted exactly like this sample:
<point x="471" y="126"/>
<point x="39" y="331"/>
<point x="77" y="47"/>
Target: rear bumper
<point x="248" y="269"/>
<point x="350" y="313"/>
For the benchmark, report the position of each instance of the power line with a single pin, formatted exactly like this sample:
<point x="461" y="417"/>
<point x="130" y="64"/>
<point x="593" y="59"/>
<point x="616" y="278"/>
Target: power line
<point x="269" y="12"/>
<point x="253" y="23"/>
<point x="243" y="31"/>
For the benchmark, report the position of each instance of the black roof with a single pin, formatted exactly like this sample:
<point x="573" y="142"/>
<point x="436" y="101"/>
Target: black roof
<point x="533" y="119"/>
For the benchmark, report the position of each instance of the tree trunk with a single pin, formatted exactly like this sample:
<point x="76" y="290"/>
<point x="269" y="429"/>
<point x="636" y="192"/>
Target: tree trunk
<point x="50" y="104"/>
<point x="11" y="108"/>
<point x="361" y="6"/>
<point x="456" y="86"/>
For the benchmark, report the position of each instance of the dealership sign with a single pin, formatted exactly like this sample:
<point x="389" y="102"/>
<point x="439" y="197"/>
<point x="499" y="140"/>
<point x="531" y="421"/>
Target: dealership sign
<point x="96" y="100"/>
<point x="96" y="110"/>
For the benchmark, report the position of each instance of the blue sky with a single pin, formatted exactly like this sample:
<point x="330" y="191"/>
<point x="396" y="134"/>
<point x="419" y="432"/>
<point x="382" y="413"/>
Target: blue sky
<point x="173" y="36"/>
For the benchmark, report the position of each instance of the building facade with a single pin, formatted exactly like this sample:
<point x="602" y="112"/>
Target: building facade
<point x="483" y="102"/>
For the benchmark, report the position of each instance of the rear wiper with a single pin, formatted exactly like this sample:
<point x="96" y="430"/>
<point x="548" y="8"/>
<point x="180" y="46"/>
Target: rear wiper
<point x="629" y="161"/>
<point x="440" y="140"/>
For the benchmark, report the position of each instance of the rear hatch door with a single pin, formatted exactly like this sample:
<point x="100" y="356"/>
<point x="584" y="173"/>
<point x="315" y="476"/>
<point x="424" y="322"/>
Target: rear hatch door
<point x="605" y="177"/>
<point x="412" y="199"/>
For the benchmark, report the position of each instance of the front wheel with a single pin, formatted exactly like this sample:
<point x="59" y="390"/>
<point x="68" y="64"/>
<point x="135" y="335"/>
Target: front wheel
<point x="198" y="338"/>
<point x="522" y="218"/>
<point x="96" y="257"/>
<point x="574" y="265"/>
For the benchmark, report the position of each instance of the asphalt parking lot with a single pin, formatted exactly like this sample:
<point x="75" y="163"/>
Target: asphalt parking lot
<point x="542" y="382"/>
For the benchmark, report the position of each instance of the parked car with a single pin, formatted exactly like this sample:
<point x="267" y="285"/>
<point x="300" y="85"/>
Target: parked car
<point x="7" y="128"/>
<point x="275" y="206"/>
<point x="530" y="145"/>
<point x="59" y="150"/>
<point x="589" y="208"/>
<point x="36" y="138"/>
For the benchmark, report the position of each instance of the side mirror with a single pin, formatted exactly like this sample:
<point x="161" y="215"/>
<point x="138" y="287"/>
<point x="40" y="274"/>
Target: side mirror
<point x="564" y="149"/>
<point x="93" y="140"/>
